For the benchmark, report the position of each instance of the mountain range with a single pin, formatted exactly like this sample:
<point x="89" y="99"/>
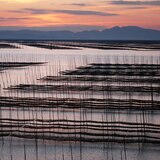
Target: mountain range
<point x="115" y="33"/>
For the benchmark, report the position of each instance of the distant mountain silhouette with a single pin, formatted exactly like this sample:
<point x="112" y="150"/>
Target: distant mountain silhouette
<point x="115" y="33"/>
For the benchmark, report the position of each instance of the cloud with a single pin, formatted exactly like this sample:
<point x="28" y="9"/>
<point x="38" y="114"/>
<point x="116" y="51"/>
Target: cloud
<point x="79" y="4"/>
<point x="137" y="7"/>
<point x="2" y="19"/>
<point x="85" y="12"/>
<point x="136" y="2"/>
<point x="72" y="12"/>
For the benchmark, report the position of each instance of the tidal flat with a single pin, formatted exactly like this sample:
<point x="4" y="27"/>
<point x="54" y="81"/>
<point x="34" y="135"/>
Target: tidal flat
<point x="79" y="100"/>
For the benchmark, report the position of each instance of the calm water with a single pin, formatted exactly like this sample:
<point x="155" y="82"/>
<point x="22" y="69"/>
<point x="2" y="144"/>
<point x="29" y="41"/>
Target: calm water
<point x="60" y="60"/>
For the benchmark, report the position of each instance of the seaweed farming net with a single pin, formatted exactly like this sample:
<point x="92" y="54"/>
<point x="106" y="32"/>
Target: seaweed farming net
<point x="91" y="103"/>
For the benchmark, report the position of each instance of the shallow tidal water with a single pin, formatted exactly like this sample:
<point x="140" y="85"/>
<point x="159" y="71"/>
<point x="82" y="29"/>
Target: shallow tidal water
<point x="61" y="60"/>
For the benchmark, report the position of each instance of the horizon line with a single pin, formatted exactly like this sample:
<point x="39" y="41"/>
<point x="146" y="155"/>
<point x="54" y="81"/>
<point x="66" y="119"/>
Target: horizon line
<point x="49" y="28"/>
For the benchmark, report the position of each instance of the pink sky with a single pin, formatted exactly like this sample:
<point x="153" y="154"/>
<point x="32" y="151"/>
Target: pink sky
<point x="93" y="13"/>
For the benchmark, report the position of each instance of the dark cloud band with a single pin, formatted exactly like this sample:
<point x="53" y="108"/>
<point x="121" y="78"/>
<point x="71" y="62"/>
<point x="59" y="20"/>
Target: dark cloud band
<point x="125" y="2"/>
<point x="72" y="12"/>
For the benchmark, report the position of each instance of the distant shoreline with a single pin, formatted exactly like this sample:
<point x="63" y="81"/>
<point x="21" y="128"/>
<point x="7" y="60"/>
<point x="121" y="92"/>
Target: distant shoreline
<point x="82" y="40"/>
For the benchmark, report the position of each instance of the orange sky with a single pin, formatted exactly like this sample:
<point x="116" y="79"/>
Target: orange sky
<point x="105" y="13"/>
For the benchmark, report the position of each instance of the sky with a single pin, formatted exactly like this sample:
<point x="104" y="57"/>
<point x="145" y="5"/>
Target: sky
<point x="76" y="15"/>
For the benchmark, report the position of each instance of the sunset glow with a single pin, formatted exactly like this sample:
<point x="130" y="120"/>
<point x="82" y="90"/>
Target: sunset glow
<point x="102" y="14"/>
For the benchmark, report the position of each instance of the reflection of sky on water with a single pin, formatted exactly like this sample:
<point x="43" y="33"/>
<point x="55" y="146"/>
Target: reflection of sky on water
<point x="60" y="60"/>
